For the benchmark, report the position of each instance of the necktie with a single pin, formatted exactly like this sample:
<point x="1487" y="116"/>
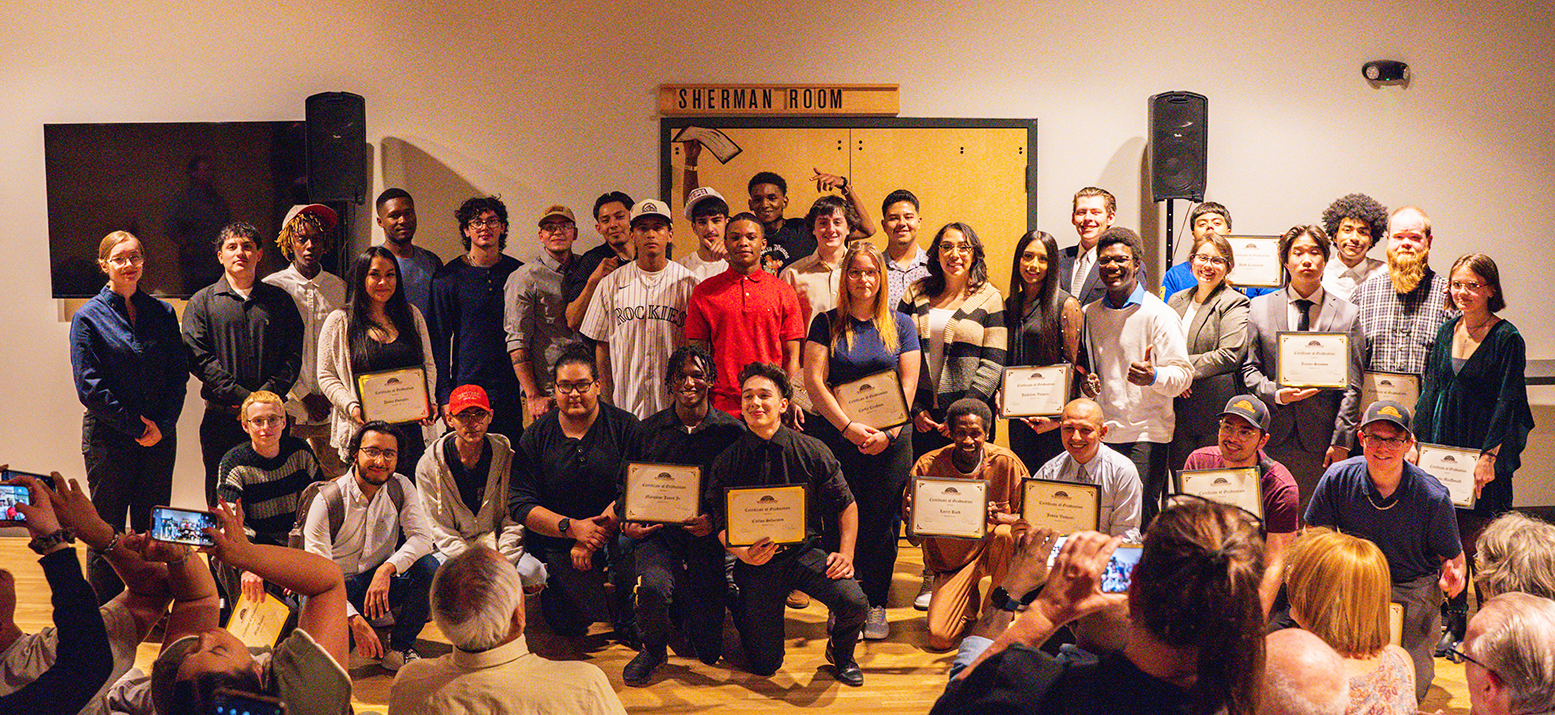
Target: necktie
<point x="1305" y="306"/>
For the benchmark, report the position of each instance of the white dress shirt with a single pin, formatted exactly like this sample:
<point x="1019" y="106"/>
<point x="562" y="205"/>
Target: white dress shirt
<point x="371" y="528"/>
<point x="1342" y="280"/>
<point x="1293" y="312"/>
<point x="316" y="299"/>
<point x="1116" y="478"/>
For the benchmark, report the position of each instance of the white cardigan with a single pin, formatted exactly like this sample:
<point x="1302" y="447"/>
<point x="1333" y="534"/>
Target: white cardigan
<point x="454" y="526"/>
<point x="339" y="385"/>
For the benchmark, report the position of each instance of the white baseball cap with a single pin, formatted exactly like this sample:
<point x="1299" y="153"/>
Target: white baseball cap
<point x="698" y="195"/>
<point x="651" y="207"/>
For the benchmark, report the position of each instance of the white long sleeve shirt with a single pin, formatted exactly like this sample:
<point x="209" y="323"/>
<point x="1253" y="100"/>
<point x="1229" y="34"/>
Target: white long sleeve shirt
<point x="371" y="529"/>
<point x="1118" y="337"/>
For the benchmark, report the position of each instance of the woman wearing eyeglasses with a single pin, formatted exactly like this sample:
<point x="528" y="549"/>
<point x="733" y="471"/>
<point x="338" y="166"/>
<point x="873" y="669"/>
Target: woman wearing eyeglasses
<point x="1473" y="396"/>
<point x="130" y="368"/>
<point x="1214" y="318"/>
<point x="378" y="329"/>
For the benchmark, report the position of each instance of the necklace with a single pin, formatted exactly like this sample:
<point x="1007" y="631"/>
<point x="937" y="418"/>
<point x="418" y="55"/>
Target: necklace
<point x="1481" y="325"/>
<point x="1379" y="507"/>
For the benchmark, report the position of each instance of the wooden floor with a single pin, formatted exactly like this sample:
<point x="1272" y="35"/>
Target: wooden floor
<point x="900" y="675"/>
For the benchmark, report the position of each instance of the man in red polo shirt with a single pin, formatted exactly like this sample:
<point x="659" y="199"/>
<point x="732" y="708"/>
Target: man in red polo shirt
<point x="745" y="314"/>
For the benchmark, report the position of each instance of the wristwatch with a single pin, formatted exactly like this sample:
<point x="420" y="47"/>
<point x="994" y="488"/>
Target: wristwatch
<point x="563" y="525"/>
<point x="1000" y="598"/>
<point x="43" y="544"/>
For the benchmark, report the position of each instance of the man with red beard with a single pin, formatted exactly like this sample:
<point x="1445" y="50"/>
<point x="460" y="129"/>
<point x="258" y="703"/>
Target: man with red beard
<point x="1401" y="310"/>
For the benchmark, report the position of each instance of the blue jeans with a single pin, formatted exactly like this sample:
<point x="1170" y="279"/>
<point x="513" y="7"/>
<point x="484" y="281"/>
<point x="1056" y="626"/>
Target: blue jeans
<point x="409" y="592"/>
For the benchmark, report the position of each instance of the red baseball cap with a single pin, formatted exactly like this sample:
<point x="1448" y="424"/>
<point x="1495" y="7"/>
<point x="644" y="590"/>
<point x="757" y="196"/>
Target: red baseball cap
<point x="466" y="396"/>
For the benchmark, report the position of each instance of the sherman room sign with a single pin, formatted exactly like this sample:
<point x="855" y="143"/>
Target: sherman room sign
<point x="778" y="99"/>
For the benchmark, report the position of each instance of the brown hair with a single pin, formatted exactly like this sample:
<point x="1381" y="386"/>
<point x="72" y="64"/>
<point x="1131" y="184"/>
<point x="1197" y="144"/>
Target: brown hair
<point x="112" y="241"/>
<point x="1484" y="267"/>
<point x="1196" y="588"/>
<point x="1339" y="587"/>
<point x="1220" y="243"/>
<point x="884" y="313"/>
<point x="1111" y="203"/>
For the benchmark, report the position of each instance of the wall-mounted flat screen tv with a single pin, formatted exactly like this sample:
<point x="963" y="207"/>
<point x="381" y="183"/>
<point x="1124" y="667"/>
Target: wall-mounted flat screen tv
<point x="174" y="185"/>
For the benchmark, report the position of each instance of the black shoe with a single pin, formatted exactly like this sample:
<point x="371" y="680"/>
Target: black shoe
<point x="1453" y="627"/>
<point x="627" y="636"/>
<point x="640" y="670"/>
<point x="848" y="673"/>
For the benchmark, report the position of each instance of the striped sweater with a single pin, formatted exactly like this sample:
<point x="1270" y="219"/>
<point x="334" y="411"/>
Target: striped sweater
<point x="269" y="487"/>
<point x="975" y="345"/>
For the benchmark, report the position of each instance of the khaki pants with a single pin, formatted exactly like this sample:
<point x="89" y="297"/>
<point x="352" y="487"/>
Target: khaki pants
<point x="955" y="602"/>
<point x="317" y="437"/>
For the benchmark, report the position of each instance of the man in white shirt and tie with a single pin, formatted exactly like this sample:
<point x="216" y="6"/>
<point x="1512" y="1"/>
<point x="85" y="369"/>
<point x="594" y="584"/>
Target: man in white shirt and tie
<point x="1093" y="212"/>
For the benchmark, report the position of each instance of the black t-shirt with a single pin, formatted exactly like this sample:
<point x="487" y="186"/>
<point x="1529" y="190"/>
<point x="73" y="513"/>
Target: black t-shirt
<point x="788" y="458"/>
<point x="471" y="482"/>
<point x="795" y="237"/>
<point x="578" y="275"/>
<point x="1026" y="680"/>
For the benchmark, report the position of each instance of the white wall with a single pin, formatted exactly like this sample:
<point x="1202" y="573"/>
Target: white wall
<point x="542" y="103"/>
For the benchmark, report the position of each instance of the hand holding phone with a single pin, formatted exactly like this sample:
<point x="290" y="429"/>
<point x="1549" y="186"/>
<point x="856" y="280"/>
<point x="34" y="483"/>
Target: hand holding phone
<point x="235" y="702"/>
<point x="10" y="496"/>
<point x="182" y="526"/>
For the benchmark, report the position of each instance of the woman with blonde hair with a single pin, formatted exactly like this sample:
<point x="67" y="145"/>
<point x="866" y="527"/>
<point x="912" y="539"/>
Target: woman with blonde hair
<point x="1340" y="590"/>
<point x="863" y="336"/>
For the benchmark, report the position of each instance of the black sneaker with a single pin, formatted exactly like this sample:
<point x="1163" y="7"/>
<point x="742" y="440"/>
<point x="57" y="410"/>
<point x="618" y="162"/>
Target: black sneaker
<point x="640" y="670"/>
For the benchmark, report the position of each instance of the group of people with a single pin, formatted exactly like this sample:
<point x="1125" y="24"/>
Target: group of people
<point x="546" y="379"/>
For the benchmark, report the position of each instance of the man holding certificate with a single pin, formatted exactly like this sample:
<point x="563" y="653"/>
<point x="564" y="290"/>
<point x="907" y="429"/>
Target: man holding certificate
<point x="679" y="562"/>
<point x="1086" y="460"/>
<point x="958" y="565"/>
<point x="751" y="494"/>
<point x="1409" y="515"/>
<point x="1309" y="427"/>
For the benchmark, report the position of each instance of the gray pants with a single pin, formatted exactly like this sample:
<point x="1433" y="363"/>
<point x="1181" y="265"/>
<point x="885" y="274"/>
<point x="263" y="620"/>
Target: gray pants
<point x="1422" y="600"/>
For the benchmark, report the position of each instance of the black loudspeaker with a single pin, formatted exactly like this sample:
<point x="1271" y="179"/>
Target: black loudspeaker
<point x="1179" y="145"/>
<point x="337" y="141"/>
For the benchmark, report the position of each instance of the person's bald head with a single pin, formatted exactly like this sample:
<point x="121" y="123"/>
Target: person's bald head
<point x="1303" y="676"/>
<point x="1083" y="426"/>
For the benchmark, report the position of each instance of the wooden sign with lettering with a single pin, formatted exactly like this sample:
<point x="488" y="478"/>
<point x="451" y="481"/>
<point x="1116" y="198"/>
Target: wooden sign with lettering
<point x="778" y="99"/>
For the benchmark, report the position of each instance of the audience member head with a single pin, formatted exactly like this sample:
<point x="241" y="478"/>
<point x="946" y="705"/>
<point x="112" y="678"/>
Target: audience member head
<point x="1082" y="427"/>
<point x="263" y="416"/>
<point x="1034" y="272"/>
<point x="764" y="396"/>
<point x="768" y="197"/>
<point x="956" y="251"/>
<point x="1355" y="222"/>
<point x="1093" y="212"/>
<point x="968" y="420"/>
<point x="1304" y="252"/>
<point x="480" y="219"/>
<point x="478" y="600"/>
<point x="468" y="413"/>
<point x="1510" y="646"/>
<point x="613" y="218"/>
<point x="1302" y="676"/>
<point x="577" y="382"/>
<point x="304" y="235"/>
<point x="831" y="219"/>
<point x="863" y="286"/>
<point x="899" y="217"/>
<point x="1516" y="552"/>
<point x="689" y="375"/>
<point x="1194" y="596"/>
<point x="1474" y="285"/>
<point x="1339" y="589"/>
<point x="1211" y="259"/>
<point x="186" y="675"/>
<point x="375" y="452"/>
<point x="1409" y="248"/>
<point x="1209" y="217"/>
<point x="1118" y="255"/>
<point x="122" y="258"/>
<point x="395" y="213"/>
<point x="745" y="238"/>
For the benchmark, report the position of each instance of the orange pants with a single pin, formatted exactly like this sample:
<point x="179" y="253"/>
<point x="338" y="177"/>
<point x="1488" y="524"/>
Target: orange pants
<point x="955" y="602"/>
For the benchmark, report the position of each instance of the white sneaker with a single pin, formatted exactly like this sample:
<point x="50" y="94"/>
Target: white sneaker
<point x="396" y="659"/>
<point x="925" y="592"/>
<point x="875" y="627"/>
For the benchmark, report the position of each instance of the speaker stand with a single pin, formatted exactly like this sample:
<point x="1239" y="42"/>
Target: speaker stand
<point x="1170" y="254"/>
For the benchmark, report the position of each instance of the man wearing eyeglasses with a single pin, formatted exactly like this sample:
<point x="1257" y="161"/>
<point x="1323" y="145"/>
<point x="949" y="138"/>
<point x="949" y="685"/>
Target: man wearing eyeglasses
<point x="535" y="313"/>
<point x="1507" y="654"/>
<point x="1408" y="514"/>
<point x="564" y="491"/>
<point x="464" y="481"/>
<point x="1244" y="430"/>
<point x="1402" y="308"/>
<point x="466" y="324"/>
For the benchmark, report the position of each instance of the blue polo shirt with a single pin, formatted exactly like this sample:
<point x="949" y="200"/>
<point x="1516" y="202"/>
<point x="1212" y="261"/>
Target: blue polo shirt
<point x="1415" y="528"/>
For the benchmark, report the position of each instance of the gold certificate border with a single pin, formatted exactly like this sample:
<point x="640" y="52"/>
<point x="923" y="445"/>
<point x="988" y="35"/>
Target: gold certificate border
<point x="1423" y="446"/>
<point x="627" y="489"/>
<point x="901" y="399"/>
<point x="1279" y="271"/>
<point x="418" y="371"/>
<point x="1247" y="473"/>
<point x="1025" y="494"/>
<point x="1004" y="412"/>
<point x="982" y="528"/>
<point x="1279" y="361"/>
<point x="804" y="512"/>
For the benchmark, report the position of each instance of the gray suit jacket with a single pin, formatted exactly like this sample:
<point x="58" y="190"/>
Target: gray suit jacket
<point x="1216" y="339"/>
<point x="1326" y="418"/>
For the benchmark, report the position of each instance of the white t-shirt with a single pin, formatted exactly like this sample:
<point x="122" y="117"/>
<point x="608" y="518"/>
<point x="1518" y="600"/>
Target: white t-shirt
<point x="642" y="317"/>
<point x="938" y="319"/>
<point x="31" y="655"/>
<point x="703" y="270"/>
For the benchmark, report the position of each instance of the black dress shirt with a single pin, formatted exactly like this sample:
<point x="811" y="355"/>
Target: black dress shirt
<point x="240" y="345"/>
<point x="788" y="458"/>
<point x="575" y="478"/>
<point x="664" y="439"/>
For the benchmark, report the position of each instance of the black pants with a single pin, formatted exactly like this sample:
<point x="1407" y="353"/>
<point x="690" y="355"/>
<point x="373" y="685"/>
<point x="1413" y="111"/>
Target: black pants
<point x="412" y="446"/>
<point x="125" y="478"/>
<point x="410" y="592"/>
<point x="573" y="599"/>
<point x="680" y="571"/>
<point x="877" y="482"/>
<point x="220" y="431"/>
<point x="763" y="590"/>
<point x="1149" y="459"/>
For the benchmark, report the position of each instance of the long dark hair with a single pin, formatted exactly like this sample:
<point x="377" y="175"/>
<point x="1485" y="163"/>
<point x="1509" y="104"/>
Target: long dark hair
<point x="977" y="273"/>
<point x="358" y="306"/>
<point x="1196" y="588"/>
<point x="1046" y="311"/>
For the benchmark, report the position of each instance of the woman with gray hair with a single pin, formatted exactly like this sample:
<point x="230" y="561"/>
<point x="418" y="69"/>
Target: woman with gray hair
<point x="478" y="603"/>
<point x="1515" y="552"/>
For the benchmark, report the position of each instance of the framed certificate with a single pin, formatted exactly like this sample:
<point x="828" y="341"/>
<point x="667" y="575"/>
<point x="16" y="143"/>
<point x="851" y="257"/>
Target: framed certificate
<point x="875" y="400"/>
<point x="1035" y="391"/>
<point x="1313" y="360"/>
<point x="776" y="512"/>
<point x="259" y="624"/>
<point x="955" y="508"/>
<point x="1064" y="507"/>
<point x="1398" y="387"/>
<point x="1454" y="468"/>
<point x="662" y="493"/>
<point x="1257" y="261"/>
<point x="1236" y="487"/>
<point x="1396" y="623"/>
<point x="395" y="396"/>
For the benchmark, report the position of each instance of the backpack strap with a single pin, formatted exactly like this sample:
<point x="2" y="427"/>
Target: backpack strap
<point x="335" y="502"/>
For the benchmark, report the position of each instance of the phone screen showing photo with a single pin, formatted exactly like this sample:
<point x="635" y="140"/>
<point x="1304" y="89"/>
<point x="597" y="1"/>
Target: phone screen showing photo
<point x="10" y="496"/>
<point x="181" y="526"/>
<point x="232" y="702"/>
<point x="1120" y="569"/>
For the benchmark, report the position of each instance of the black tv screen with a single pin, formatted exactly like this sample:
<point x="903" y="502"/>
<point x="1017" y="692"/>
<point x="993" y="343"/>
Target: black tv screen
<point x="174" y="185"/>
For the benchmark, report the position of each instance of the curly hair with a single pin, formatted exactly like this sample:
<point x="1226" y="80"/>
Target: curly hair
<point x="288" y="235"/>
<point x="1359" y="207"/>
<point x="472" y="209"/>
